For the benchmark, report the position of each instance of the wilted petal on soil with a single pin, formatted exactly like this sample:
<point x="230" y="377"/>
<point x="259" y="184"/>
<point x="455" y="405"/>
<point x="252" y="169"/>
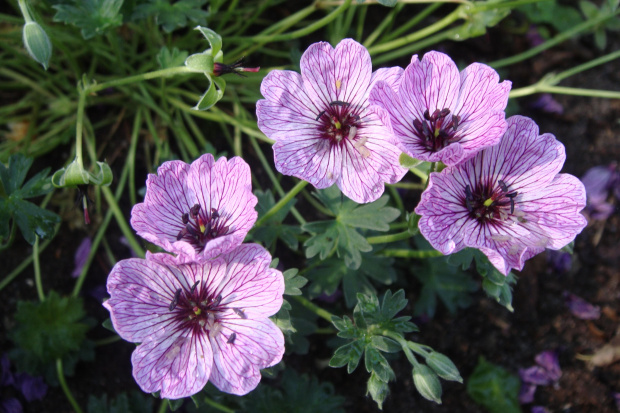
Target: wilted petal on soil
<point x="581" y="308"/>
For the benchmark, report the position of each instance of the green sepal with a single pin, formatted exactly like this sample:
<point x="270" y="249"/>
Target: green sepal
<point x="212" y="95"/>
<point x="214" y="39"/>
<point x="75" y="174"/>
<point x="407" y="161"/>
<point x="103" y="177"/>
<point x="200" y="62"/>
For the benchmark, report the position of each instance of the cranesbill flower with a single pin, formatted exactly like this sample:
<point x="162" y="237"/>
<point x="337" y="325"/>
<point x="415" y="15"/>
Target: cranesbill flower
<point x="508" y="201"/>
<point x="440" y="115"/>
<point x="199" y="321"/>
<point x="324" y="130"/>
<point x="198" y="211"/>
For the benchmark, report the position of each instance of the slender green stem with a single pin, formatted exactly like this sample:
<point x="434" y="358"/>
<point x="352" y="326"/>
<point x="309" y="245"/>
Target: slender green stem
<point x="324" y="314"/>
<point x="389" y="19"/>
<point x="585" y="66"/>
<point x="163" y="407"/>
<point x="409" y="253"/>
<point x="311" y="28"/>
<point x="405" y="40"/>
<point x="218" y="406"/>
<point x="24" y="8"/>
<point x="105" y="341"/>
<point x="404" y="344"/>
<point x="37" y="269"/>
<point x="25" y="263"/>
<point x="121" y="221"/>
<point x="94" y="88"/>
<point x="409" y="185"/>
<point x="79" y="128"/>
<point x="582" y="27"/>
<point x="282" y="202"/>
<point x="393" y="34"/>
<point x="65" y="388"/>
<point x="561" y="90"/>
<point x="273" y="178"/>
<point x="384" y="239"/>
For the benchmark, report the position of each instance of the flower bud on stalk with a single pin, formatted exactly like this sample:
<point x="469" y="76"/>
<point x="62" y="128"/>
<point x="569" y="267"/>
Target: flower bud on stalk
<point x="37" y="43"/>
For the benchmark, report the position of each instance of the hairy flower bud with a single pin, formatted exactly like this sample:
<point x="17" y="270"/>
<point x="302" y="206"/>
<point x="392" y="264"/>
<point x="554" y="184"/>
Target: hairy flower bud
<point x="37" y="43"/>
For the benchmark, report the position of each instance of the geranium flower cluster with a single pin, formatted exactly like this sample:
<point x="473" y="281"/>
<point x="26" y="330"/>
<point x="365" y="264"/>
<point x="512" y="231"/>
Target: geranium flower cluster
<point x="200" y="313"/>
<point x="339" y="122"/>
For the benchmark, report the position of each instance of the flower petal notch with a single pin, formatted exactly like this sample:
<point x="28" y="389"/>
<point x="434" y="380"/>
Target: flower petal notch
<point x="324" y="128"/>
<point x="197" y="211"/>
<point x="198" y="322"/>
<point x="509" y="201"/>
<point x="441" y="115"/>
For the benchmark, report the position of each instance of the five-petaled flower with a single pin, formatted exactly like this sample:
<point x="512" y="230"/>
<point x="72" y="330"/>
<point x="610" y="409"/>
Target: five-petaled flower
<point x="509" y="201"/>
<point x="197" y="211"/>
<point x="439" y="115"/>
<point x="199" y="321"/>
<point x="324" y="129"/>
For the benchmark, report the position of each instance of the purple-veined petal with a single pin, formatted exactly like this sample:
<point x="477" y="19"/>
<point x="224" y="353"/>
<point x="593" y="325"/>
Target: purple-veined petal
<point x="256" y="344"/>
<point x="320" y="120"/>
<point x="508" y="200"/>
<point x="178" y="364"/>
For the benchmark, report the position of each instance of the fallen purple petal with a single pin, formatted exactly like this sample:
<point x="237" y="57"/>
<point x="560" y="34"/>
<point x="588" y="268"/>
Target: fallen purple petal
<point x="546" y="103"/>
<point x="6" y="378"/>
<point x="535" y="375"/>
<point x="559" y="262"/>
<point x="33" y="388"/>
<point x="81" y="255"/>
<point x="11" y="405"/>
<point x="539" y="409"/>
<point x="526" y="394"/>
<point x="548" y="360"/>
<point x="581" y="308"/>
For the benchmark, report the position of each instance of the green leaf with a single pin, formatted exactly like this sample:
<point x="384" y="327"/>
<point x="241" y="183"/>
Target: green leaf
<point x="376" y="363"/>
<point x="374" y="216"/>
<point x="171" y="16"/>
<point x="33" y="221"/>
<point x="137" y="403"/>
<point x="269" y="234"/>
<point x="477" y="21"/>
<point x="589" y="9"/>
<point x="175" y="404"/>
<point x="494" y="387"/>
<point x="5" y="218"/>
<point x="171" y="58"/>
<point x="444" y="282"/>
<point x="349" y="354"/>
<point x="293" y="282"/>
<point x="50" y="329"/>
<point x="93" y="17"/>
<point x="13" y="176"/>
<point x="551" y="12"/>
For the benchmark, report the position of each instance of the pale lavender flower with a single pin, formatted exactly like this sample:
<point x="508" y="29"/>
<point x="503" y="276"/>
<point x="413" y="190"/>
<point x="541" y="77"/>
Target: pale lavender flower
<point x="81" y="255"/>
<point x="198" y="321"/>
<point x="581" y="308"/>
<point x="508" y="201"/>
<point x="198" y="211"/>
<point x="440" y="115"/>
<point x="324" y="129"/>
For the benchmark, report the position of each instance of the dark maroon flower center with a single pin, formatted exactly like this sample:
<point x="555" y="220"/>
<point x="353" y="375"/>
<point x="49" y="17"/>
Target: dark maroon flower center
<point x="197" y="309"/>
<point x="201" y="227"/>
<point x="489" y="202"/>
<point x="437" y="130"/>
<point x="339" y="121"/>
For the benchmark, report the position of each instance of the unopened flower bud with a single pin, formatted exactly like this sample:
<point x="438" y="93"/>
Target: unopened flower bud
<point x="37" y="43"/>
<point x="427" y="383"/>
<point x="444" y="367"/>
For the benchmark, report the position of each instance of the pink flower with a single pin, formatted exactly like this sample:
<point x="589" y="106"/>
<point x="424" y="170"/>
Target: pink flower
<point x="440" y="115"/>
<point x="508" y="201"/>
<point x="198" y="211"/>
<point x="324" y="129"/>
<point x="200" y="321"/>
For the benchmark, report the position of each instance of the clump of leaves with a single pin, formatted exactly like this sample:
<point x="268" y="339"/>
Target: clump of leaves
<point x="341" y="235"/>
<point x="275" y="230"/>
<point x="93" y="17"/>
<point x="494" y="387"/>
<point x="136" y="402"/>
<point x="48" y="330"/>
<point x="497" y="285"/>
<point x="32" y="220"/>
<point x="171" y="16"/>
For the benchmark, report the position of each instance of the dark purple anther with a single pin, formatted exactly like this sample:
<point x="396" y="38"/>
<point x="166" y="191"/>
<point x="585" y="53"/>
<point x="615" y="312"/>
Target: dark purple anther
<point x="175" y="300"/>
<point x="339" y="103"/>
<point x="231" y="339"/>
<point x="240" y="313"/>
<point x="191" y="290"/>
<point x="319" y="115"/>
